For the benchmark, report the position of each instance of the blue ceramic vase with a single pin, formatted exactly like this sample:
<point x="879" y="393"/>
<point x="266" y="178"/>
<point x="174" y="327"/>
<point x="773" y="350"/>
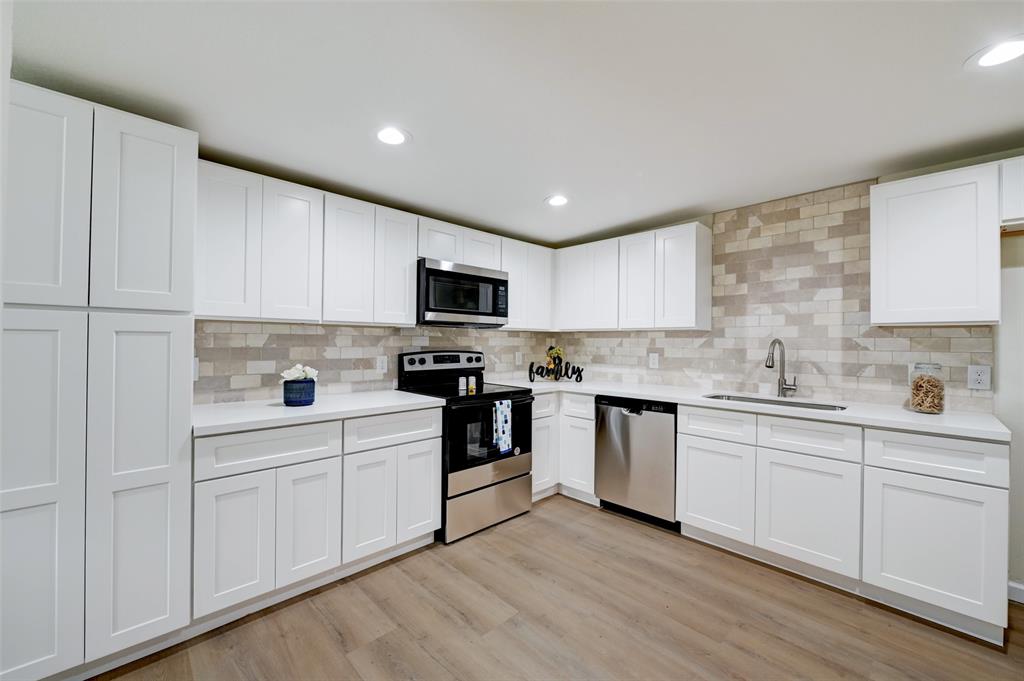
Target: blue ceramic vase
<point x="300" y="392"/>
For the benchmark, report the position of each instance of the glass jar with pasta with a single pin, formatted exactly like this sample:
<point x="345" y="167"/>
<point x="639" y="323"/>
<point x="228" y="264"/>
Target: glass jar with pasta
<point x="927" y="388"/>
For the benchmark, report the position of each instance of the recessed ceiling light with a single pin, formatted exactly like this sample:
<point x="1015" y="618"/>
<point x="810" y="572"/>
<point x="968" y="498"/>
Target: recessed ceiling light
<point x="556" y="200"/>
<point x="392" y="135"/>
<point x="997" y="54"/>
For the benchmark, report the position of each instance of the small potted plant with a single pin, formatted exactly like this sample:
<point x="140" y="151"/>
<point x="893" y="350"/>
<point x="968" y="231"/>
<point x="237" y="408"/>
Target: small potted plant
<point x="299" y="386"/>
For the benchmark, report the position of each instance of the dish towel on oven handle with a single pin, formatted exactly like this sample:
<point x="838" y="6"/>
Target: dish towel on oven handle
<point x="503" y="425"/>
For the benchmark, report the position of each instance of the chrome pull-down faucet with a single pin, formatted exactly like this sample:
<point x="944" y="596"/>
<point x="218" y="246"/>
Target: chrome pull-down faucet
<point x="785" y="388"/>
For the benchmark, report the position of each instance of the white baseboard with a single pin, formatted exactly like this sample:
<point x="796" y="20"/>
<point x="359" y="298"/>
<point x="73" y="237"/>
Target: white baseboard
<point x="545" y="493"/>
<point x="1016" y="591"/>
<point x="576" y="494"/>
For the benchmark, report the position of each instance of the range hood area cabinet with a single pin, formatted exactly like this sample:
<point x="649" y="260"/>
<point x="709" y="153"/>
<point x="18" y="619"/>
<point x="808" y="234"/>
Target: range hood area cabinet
<point x="935" y="248"/>
<point x="273" y="250"/>
<point x="1011" y="187"/>
<point x="444" y="241"/>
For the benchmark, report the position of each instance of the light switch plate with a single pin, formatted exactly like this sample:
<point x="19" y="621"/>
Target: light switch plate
<point x="979" y="377"/>
<point x="652" y="360"/>
<point x="382" y="364"/>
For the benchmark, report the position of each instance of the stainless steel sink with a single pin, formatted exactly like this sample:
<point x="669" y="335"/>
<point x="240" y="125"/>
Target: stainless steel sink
<point x="821" y="406"/>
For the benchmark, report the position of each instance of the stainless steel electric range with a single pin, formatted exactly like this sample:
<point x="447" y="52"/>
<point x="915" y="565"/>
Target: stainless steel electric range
<point x="482" y="484"/>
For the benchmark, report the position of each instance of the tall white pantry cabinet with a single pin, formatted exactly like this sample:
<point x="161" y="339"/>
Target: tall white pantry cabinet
<point x="97" y="394"/>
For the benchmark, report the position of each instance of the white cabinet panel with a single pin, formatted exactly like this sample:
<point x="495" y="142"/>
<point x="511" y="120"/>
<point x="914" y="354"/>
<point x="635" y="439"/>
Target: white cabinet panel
<point x="293" y="240"/>
<point x="440" y="240"/>
<point x="545" y="453"/>
<point x="42" y="492"/>
<point x="715" y="486"/>
<point x="604" y="305"/>
<point x="234" y="540"/>
<point x="143" y="213"/>
<point x="576" y="454"/>
<point x="832" y="440"/>
<point x="539" y="292"/>
<point x="682" y="277"/>
<point x="720" y="424"/>
<point x="987" y="463"/>
<point x="368" y="519"/>
<point x="229" y="229"/>
<point x="254" y="450"/>
<point x="1011" y="189"/>
<point x="580" y="406"/>
<point x="308" y="519"/>
<point x="348" y="259"/>
<point x="587" y="296"/>
<point x="138" y="480"/>
<point x="938" y="541"/>
<point x="935" y="248"/>
<point x="394" y="275"/>
<point x="808" y="508"/>
<point x="418" y="489"/>
<point x="46" y="230"/>
<point x="545" y="405"/>
<point x="636" y="281"/>
<point x="515" y="262"/>
<point x="481" y="249"/>
<point x="385" y="430"/>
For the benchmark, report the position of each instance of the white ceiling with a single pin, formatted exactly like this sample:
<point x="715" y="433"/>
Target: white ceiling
<point x="640" y="113"/>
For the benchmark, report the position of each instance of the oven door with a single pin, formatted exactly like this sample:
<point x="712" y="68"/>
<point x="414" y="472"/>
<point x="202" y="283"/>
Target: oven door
<point x="451" y="294"/>
<point x="472" y="457"/>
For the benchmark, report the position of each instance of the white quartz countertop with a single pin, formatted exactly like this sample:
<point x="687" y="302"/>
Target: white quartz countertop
<point x="230" y="417"/>
<point x="964" y="424"/>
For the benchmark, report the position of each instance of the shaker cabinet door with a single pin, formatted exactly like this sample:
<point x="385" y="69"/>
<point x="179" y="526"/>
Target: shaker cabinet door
<point x="636" y="281"/>
<point x="293" y="242"/>
<point x="229" y="232"/>
<point x="481" y="249"/>
<point x="143" y="213"/>
<point x="576" y="454"/>
<point x="419" y="489"/>
<point x="42" y="493"/>
<point x="138" y="481"/>
<point x="440" y="240"/>
<point x="348" y="259"/>
<point x="368" y="499"/>
<point x="715" y="486"/>
<point x="394" y="273"/>
<point x="545" y="453"/>
<point x="308" y="519"/>
<point x="46" y="230"/>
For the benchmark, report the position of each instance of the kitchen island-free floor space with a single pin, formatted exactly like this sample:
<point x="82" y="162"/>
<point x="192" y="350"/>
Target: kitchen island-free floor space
<point x="570" y="591"/>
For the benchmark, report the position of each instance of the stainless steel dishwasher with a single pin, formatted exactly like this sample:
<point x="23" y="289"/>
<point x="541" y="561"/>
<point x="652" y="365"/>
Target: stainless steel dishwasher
<point x="635" y="466"/>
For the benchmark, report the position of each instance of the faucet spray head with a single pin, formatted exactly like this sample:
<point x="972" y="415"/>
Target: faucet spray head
<point x="770" y="362"/>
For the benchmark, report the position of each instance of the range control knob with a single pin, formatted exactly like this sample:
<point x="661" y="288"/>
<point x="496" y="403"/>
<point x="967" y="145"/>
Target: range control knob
<point x="422" y="361"/>
<point x="411" y="361"/>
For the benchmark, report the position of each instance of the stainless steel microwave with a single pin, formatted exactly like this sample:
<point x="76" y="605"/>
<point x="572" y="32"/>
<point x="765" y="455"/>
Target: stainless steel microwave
<point x="452" y="294"/>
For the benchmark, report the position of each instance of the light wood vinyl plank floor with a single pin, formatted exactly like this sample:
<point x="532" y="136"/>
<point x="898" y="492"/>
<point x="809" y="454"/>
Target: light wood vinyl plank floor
<point x="572" y="592"/>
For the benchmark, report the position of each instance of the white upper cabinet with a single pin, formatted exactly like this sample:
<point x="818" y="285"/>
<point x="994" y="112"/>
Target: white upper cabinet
<point x="138" y="479"/>
<point x="935" y="248"/>
<point x="42" y="492"/>
<point x="587" y="296"/>
<point x="348" y="259"/>
<point x="440" y="240"/>
<point x="481" y="249"/>
<point x="394" y="276"/>
<point x="636" y="281"/>
<point x="292" y="263"/>
<point x="445" y="241"/>
<point x="529" y="282"/>
<point x="1011" y="180"/>
<point x="46" y="231"/>
<point x="228" y="235"/>
<point x="682" y="277"/>
<point x="143" y="213"/>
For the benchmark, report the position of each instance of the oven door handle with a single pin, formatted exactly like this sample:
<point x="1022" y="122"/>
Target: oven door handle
<point x="519" y="401"/>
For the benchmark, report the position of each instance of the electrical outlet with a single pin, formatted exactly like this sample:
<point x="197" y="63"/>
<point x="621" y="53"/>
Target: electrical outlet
<point x="382" y="364"/>
<point x="652" y="360"/>
<point x="979" y="377"/>
<point x="519" y="359"/>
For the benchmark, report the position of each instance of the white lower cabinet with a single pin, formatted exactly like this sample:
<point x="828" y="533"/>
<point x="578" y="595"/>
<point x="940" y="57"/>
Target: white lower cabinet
<point x="138" y="479"/>
<point x="715" y="486"/>
<point x="42" y="493"/>
<point x="808" y="508"/>
<point x="234" y="540"/>
<point x="576" y="453"/>
<point x="939" y="541"/>
<point x="545" y="453"/>
<point x="369" y="524"/>
<point x="418" y="495"/>
<point x="308" y="520"/>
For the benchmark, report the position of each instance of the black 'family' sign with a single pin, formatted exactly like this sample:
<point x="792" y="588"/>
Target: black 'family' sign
<point x="557" y="372"/>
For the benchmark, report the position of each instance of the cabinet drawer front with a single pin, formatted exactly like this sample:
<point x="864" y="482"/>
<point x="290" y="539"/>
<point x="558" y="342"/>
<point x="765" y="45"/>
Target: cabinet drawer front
<point x="255" y="450"/>
<point x="939" y="541"/>
<point x="715" y="486"/>
<point x="545" y="405"/>
<point x="809" y="508"/>
<point x="832" y="440"/>
<point x="386" y="430"/>
<point x="719" y="424"/>
<point x="580" y="406"/>
<point x="987" y="463"/>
